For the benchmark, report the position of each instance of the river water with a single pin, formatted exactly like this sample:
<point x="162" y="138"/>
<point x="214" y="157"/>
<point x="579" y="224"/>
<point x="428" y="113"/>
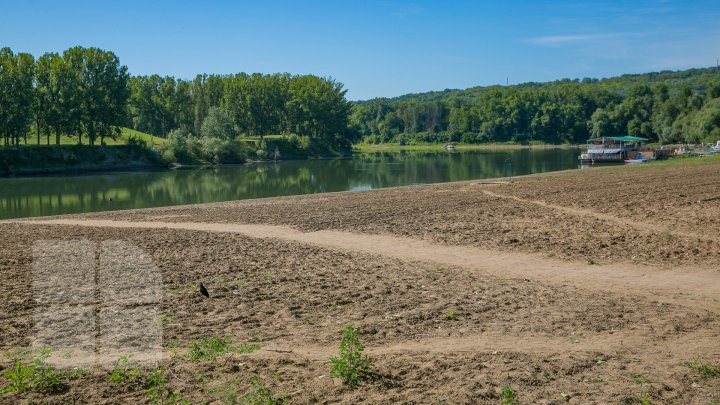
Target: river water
<point x="62" y="194"/>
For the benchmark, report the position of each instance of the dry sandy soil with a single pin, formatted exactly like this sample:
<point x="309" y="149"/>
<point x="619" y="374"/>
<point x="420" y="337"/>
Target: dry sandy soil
<point x="595" y="286"/>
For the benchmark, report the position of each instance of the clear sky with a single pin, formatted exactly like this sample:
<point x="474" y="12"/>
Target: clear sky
<point x="378" y="47"/>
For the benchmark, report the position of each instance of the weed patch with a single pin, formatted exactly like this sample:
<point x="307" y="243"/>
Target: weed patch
<point x="124" y="371"/>
<point x="38" y="375"/>
<point x="261" y="395"/>
<point x="211" y="348"/>
<point x="705" y="370"/>
<point x="508" y="396"/>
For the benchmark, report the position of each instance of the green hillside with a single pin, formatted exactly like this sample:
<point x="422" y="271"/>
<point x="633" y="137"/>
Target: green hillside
<point x="125" y="134"/>
<point x="665" y="107"/>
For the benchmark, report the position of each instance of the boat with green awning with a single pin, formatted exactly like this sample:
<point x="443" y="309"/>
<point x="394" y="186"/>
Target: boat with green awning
<point x="611" y="149"/>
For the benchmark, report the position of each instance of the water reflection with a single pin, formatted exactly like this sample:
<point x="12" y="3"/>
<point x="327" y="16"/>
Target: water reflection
<point x="34" y="196"/>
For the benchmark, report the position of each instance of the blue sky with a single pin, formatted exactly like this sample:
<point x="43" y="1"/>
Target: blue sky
<point x="375" y="47"/>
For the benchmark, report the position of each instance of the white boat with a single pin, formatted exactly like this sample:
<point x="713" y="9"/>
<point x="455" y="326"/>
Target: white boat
<point x="639" y="158"/>
<point x="449" y="146"/>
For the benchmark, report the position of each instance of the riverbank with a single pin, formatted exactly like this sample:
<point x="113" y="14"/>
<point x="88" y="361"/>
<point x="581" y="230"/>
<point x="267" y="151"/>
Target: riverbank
<point x="395" y="147"/>
<point x="587" y="286"/>
<point x="41" y="159"/>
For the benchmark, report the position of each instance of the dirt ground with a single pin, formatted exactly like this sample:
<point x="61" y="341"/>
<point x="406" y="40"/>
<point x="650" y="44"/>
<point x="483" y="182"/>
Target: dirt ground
<point x="597" y="286"/>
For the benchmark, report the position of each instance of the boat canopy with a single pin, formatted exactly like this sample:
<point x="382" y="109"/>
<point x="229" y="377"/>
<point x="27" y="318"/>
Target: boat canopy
<point x="622" y="138"/>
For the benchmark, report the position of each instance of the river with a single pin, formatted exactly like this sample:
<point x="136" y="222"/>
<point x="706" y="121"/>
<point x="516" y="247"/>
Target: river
<point x="63" y="194"/>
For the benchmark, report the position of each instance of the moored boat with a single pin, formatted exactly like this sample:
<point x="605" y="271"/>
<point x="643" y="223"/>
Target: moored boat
<point x="611" y="149"/>
<point x="639" y="158"/>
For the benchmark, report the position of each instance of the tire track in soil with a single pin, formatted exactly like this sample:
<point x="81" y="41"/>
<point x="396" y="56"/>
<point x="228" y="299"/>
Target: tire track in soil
<point x="644" y="226"/>
<point x="692" y="287"/>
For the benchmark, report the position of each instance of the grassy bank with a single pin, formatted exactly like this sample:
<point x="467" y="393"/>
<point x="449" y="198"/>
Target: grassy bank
<point x="80" y="158"/>
<point x="394" y="146"/>
<point x="125" y="135"/>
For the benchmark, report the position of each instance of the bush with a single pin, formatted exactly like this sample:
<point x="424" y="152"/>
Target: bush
<point x="351" y="365"/>
<point x="262" y="150"/>
<point x="217" y="150"/>
<point x="135" y="142"/>
<point x="299" y="143"/>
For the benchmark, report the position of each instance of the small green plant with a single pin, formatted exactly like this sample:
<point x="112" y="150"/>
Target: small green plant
<point x="452" y="316"/>
<point x="641" y="379"/>
<point x="351" y="365"/>
<point x="163" y="319"/>
<point x="590" y="261"/>
<point x="245" y="348"/>
<point x="123" y="371"/>
<point x="666" y="234"/>
<point x="438" y="269"/>
<point x="224" y="392"/>
<point x="39" y="375"/>
<point x="508" y="396"/>
<point x="211" y="348"/>
<point x="20" y="377"/>
<point x="644" y="398"/>
<point x="75" y="373"/>
<point x="574" y="341"/>
<point x="705" y="370"/>
<point x="158" y="390"/>
<point x="46" y="377"/>
<point x="260" y="395"/>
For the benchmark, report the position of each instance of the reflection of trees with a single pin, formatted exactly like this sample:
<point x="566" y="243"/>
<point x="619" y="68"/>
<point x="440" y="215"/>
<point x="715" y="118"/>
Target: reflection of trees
<point x="54" y="195"/>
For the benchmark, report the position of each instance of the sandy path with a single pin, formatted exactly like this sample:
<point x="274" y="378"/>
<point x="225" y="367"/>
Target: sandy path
<point x="687" y="286"/>
<point x="619" y="342"/>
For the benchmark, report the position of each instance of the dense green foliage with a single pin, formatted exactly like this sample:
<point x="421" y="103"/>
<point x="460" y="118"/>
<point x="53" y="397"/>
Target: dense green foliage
<point x="81" y="92"/>
<point x="204" y="118"/>
<point x="666" y="107"/>
<point x="85" y="92"/>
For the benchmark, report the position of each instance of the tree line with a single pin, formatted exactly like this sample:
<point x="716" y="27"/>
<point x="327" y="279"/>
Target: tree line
<point x="87" y="94"/>
<point x="82" y="91"/>
<point x="249" y="105"/>
<point x="666" y="107"/>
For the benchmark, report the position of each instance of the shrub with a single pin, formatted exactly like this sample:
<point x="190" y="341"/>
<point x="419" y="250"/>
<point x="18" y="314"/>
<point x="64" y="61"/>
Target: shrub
<point x="351" y="365"/>
<point x="123" y="371"/>
<point x="38" y="376"/>
<point x="217" y="150"/>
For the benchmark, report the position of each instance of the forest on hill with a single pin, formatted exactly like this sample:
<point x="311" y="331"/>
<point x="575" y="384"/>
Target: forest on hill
<point x="665" y="107"/>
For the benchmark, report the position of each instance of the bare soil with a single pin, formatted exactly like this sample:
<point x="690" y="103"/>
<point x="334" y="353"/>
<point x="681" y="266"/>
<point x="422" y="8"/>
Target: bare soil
<point x="510" y="261"/>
